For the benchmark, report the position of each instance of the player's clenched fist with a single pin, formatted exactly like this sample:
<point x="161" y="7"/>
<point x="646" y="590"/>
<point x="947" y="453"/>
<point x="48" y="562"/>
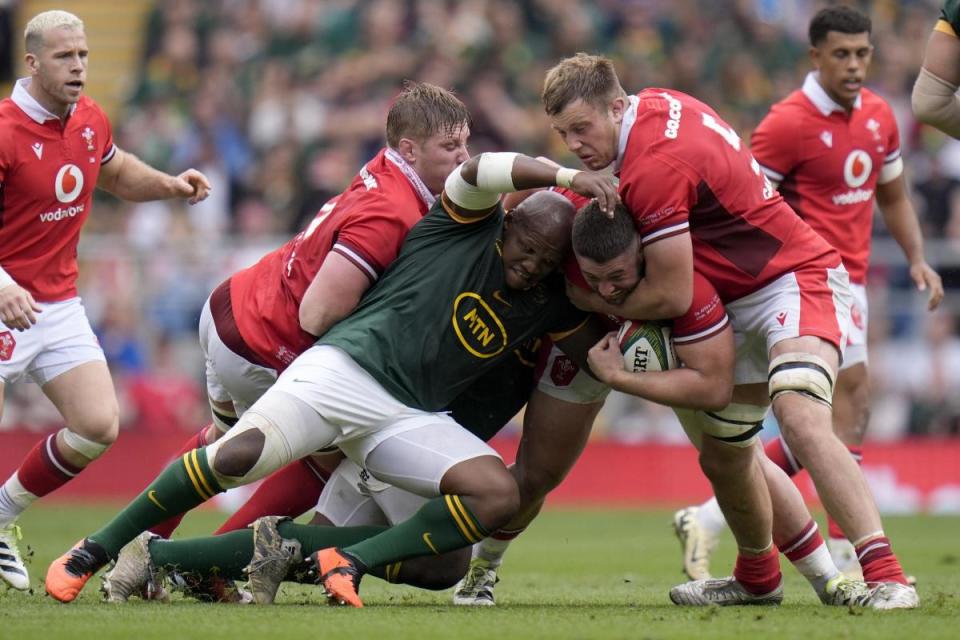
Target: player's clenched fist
<point x="194" y="185"/>
<point x="18" y="309"/>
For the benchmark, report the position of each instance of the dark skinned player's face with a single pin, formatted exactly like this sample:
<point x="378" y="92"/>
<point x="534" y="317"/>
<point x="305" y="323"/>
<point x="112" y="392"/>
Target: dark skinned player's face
<point x="530" y="255"/>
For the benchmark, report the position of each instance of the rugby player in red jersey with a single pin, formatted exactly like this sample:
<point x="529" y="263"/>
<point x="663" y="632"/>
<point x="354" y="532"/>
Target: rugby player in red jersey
<point x="700" y="200"/>
<point x="833" y="150"/>
<point x="57" y="147"/>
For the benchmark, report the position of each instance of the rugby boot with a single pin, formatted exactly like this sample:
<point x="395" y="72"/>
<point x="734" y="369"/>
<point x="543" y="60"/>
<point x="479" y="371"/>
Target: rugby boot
<point x="723" y="592"/>
<point x="68" y="574"/>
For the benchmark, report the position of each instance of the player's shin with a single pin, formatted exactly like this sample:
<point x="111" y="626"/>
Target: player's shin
<point x="184" y="484"/>
<point x="442" y="524"/>
<point x="196" y="441"/>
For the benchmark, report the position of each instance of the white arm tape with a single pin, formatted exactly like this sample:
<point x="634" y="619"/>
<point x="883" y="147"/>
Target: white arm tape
<point x="565" y="177"/>
<point x="891" y="171"/>
<point x="495" y="172"/>
<point x="5" y="279"/>
<point x="463" y="194"/>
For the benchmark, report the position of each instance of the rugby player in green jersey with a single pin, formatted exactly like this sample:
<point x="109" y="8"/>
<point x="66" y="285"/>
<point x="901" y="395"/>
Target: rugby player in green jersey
<point x="469" y="286"/>
<point x="934" y="97"/>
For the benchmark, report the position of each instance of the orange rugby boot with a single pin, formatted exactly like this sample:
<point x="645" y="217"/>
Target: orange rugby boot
<point x="340" y="575"/>
<point x="69" y="573"/>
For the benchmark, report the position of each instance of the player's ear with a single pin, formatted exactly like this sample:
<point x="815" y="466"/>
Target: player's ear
<point x="31" y="62"/>
<point x="408" y="149"/>
<point x="814" y="53"/>
<point x="618" y="107"/>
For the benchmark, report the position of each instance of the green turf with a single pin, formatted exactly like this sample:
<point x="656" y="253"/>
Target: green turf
<point x="575" y="574"/>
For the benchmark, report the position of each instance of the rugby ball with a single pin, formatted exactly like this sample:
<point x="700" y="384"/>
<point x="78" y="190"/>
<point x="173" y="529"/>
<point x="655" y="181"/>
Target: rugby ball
<point x="646" y="346"/>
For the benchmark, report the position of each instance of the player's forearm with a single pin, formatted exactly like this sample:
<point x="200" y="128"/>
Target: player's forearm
<point x="901" y="221"/>
<point x="656" y="302"/>
<point x="680" y="388"/>
<point x="134" y="180"/>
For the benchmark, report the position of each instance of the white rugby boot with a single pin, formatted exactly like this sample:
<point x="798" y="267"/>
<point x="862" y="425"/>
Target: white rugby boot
<point x="476" y="588"/>
<point x="893" y="595"/>
<point x="133" y="574"/>
<point x="696" y="543"/>
<point x="724" y="592"/>
<point x="12" y="569"/>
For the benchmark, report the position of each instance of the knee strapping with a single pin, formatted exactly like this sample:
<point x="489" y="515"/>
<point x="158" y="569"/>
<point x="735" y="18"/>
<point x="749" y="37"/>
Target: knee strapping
<point x="802" y="373"/>
<point x="275" y="453"/>
<point x="736" y="424"/>
<point x="84" y="446"/>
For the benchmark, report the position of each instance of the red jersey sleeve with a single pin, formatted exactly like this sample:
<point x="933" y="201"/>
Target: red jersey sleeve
<point x="109" y="148"/>
<point x="706" y="317"/>
<point x="372" y="240"/>
<point x="775" y="144"/>
<point x="893" y="138"/>
<point x="658" y="191"/>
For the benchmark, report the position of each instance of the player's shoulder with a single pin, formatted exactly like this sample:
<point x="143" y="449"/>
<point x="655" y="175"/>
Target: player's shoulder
<point x="795" y="104"/>
<point x="87" y="108"/>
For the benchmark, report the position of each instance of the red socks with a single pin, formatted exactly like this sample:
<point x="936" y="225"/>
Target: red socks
<point x="759" y="574"/>
<point x="878" y="562"/>
<point x="45" y="469"/>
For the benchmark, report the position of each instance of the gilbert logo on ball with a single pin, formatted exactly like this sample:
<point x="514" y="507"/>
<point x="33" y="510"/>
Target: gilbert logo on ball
<point x="646" y="346"/>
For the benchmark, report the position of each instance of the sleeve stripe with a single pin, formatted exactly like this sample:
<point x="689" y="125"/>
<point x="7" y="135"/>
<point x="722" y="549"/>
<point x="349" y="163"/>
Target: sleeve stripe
<point x="770" y="173"/>
<point x="108" y="156"/>
<point x="703" y="335"/>
<point x="666" y="232"/>
<point x="456" y="217"/>
<point x="890" y="157"/>
<point x="357" y="260"/>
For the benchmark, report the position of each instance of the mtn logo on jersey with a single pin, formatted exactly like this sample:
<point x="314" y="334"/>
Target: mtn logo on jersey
<point x="479" y="329"/>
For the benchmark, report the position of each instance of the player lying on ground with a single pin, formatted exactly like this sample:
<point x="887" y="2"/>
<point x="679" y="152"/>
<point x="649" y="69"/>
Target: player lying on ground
<point x="374" y="384"/>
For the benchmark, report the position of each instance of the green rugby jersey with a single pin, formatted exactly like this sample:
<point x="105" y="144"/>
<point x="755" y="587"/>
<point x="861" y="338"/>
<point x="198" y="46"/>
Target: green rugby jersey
<point x="441" y="316"/>
<point x="951" y="14"/>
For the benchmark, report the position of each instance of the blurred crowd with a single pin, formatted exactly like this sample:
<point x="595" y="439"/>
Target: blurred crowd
<point x="279" y="102"/>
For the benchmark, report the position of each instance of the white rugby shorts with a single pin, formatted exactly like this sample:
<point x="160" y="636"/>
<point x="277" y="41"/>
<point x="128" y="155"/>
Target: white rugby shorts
<point x="61" y="340"/>
<point x="808" y="302"/>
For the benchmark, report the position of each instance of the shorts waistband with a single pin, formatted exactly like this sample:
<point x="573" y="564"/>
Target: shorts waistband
<point x="221" y="308"/>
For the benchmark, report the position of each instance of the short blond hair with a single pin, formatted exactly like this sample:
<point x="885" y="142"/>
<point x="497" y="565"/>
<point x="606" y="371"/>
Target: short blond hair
<point x="585" y="77"/>
<point x="423" y="110"/>
<point x="33" y="33"/>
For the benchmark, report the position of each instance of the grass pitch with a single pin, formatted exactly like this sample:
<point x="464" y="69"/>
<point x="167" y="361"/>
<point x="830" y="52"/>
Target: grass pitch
<point x="574" y="574"/>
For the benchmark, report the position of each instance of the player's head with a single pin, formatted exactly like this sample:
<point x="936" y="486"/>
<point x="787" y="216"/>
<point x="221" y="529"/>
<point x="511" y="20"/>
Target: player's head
<point x="429" y="127"/>
<point x="56" y="56"/>
<point x="608" y="251"/>
<point x="585" y="102"/>
<point x="536" y="237"/>
<point x="841" y="51"/>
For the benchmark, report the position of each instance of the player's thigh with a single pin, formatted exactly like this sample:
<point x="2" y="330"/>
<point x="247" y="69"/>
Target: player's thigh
<point x="85" y="397"/>
<point x="233" y="382"/>
<point x="555" y="432"/>
<point x="417" y="456"/>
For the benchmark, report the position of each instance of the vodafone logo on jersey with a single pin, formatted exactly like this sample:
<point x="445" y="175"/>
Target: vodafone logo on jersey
<point x="69" y="183"/>
<point x="857" y="168"/>
<point x="856" y="171"/>
<point x="67" y="186"/>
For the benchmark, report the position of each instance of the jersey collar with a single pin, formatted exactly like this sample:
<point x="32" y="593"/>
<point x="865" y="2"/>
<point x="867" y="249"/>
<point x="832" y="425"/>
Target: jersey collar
<point x="412" y="177"/>
<point x="818" y="96"/>
<point x="29" y="105"/>
<point x="626" y="125"/>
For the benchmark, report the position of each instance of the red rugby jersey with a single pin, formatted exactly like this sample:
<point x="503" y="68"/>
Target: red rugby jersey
<point x="828" y="164"/>
<point x="706" y="316"/>
<point x="683" y="169"/>
<point x="48" y="171"/>
<point x="366" y="224"/>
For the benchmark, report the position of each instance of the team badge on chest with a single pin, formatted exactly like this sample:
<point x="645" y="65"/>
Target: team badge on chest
<point x="87" y="134"/>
